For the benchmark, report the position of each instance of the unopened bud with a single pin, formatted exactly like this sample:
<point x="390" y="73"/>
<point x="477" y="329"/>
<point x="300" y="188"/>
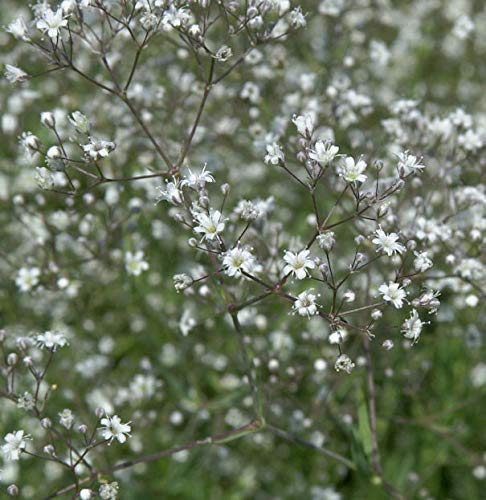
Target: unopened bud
<point x="12" y="359"/>
<point x="48" y="120"/>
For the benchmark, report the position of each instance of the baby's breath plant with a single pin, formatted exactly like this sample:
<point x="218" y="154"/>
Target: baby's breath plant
<point x="242" y="249"/>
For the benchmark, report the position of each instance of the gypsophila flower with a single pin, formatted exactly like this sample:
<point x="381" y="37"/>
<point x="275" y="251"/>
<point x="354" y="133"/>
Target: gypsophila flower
<point x="409" y="163"/>
<point x="79" y="122"/>
<point x="326" y="241"/>
<point x="352" y="171"/>
<point x="338" y="336"/>
<point x="305" y="304"/>
<point x="238" y="259"/>
<point x="51" y="340"/>
<point x="223" y="54"/>
<point x="172" y="193"/>
<point x="26" y="401"/>
<point x="18" y="29"/>
<point x="297" y="18"/>
<point x="429" y="300"/>
<point x="114" y="429"/>
<point x="66" y="418"/>
<point x="209" y="225"/>
<point x="247" y="210"/>
<point x="14" y="74"/>
<point x="16" y="442"/>
<point x="324" y="152"/>
<point x="274" y="155"/>
<point x="393" y="293"/>
<point x="304" y="123"/>
<point x="421" y="262"/>
<point x="412" y="327"/>
<point x="135" y="263"/>
<point x="27" y="278"/>
<point x="97" y="149"/>
<point x="182" y="281"/>
<point x="44" y="178"/>
<point x="109" y="491"/>
<point x="51" y="22"/>
<point x="297" y="264"/>
<point x="197" y="180"/>
<point x="344" y="363"/>
<point x="387" y="243"/>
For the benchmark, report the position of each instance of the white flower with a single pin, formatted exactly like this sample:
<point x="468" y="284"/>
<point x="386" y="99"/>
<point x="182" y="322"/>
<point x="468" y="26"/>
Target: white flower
<point x="66" y="418"/>
<point x="16" y="441"/>
<point x="79" y="122"/>
<point x="51" y="22"/>
<point x="338" y="336"/>
<point x="210" y="225"/>
<point x="97" y="149"/>
<point x="109" y="491"/>
<point x="305" y="305"/>
<point x="352" y="171"/>
<point x="421" y="262"/>
<point x="114" y="429"/>
<point x="197" y="180"/>
<point x="27" y="278"/>
<point x="135" y="263"/>
<point x="44" y="178"/>
<point x="223" y="53"/>
<point x="51" y="340"/>
<point x="274" y="155"/>
<point x="172" y="193"/>
<point x="343" y="362"/>
<point x="304" y="124"/>
<point x="237" y="260"/>
<point x="14" y="74"/>
<point x="409" y="163"/>
<point x="323" y="152"/>
<point x="298" y="263"/>
<point x="412" y="327"/>
<point x="393" y="293"/>
<point x="326" y="241"/>
<point x="387" y="243"/>
<point x="18" y="29"/>
<point x="297" y="18"/>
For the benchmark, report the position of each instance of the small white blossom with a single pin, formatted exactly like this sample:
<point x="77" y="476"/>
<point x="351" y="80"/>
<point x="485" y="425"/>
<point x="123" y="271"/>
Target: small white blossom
<point x="66" y="418"/>
<point x="14" y="74"/>
<point x="412" y="327"/>
<point x="421" y="262"/>
<point x="393" y="293"/>
<point x="387" y="243"/>
<point x="344" y="363"/>
<point x="135" y="263"/>
<point x="352" y="171"/>
<point x="297" y="264"/>
<point x="16" y="442"/>
<point x="98" y="149"/>
<point x="109" y="491"/>
<point x="114" y="429"/>
<point x="305" y="304"/>
<point x="27" y="278"/>
<point x="51" y="22"/>
<point x="409" y="163"/>
<point x="237" y="260"/>
<point x="18" y="29"/>
<point x="274" y="155"/>
<point x="172" y="193"/>
<point x="197" y="180"/>
<point x="51" y="340"/>
<point x="304" y="123"/>
<point x="323" y="152"/>
<point x="209" y="225"/>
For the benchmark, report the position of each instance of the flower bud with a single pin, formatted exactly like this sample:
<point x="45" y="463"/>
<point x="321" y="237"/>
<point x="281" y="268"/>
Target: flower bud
<point x="54" y="153"/>
<point x="83" y="429"/>
<point x="225" y="188"/>
<point x="99" y="412"/>
<point x="48" y="120"/>
<point x="12" y="359"/>
<point x="46" y="423"/>
<point x="192" y="242"/>
<point x="13" y="490"/>
<point x="49" y="450"/>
